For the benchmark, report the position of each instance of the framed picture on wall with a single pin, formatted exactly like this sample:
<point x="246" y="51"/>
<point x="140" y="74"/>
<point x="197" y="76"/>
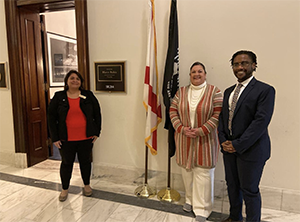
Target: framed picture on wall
<point x="62" y="53"/>
<point x="3" y="75"/>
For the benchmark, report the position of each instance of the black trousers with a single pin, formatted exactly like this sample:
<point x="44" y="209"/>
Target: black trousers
<point x="68" y="151"/>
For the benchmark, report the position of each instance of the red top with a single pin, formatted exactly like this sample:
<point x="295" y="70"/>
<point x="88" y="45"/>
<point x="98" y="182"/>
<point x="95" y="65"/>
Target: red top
<point x="76" y="121"/>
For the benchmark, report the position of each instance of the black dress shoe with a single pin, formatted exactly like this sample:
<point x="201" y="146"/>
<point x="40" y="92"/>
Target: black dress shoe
<point x="230" y="220"/>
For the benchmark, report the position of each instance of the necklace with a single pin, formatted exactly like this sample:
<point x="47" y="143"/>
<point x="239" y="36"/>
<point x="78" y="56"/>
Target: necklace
<point x="195" y="94"/>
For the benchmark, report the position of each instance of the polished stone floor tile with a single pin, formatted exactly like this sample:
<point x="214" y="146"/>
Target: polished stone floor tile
<point x="177" y="218"/>
<point x="279" y="216"/>
<point x="82" y="204"/>
<point x="2" y="182"/>
<point x="272" y="198"/>
<point x="50" y="209"/>
<point x="31" y="195"/>
<point x="8" y="168"/>
<point x="43" y="196"/>
<point x="125" y="213"/>
<point x="66" y="215"/>
<point x="290" y="201"/>
<point x="53" y="177"/>
<point x="25" y="220"/>
<point x="19" y="211"/>
<point x="2" y="166"/>
<point x="115" y="187"/>
<point x="112" y="220"/>
<point x="150" y="215"/>
<point x="16" y="197"/>
<point x="2" y="195"/>
<point x="101" y="211"/>
<point x="8" y="188"/>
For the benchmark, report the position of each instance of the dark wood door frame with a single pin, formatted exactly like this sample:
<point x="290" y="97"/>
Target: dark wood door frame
<point x="15" y="58"/>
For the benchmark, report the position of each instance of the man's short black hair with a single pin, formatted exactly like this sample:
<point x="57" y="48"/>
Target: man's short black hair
<point x="249" y="53"/>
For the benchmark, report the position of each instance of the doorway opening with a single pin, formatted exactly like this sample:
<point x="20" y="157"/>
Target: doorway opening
<point x="27" y="72"/>
<point x="60" y="55"/>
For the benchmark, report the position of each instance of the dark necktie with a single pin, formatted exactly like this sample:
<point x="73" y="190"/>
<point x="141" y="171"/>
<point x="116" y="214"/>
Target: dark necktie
<point x="233" y="105"/>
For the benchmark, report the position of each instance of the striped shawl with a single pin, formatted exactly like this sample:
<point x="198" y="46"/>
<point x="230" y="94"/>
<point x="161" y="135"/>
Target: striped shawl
<point x="201" y="151"/>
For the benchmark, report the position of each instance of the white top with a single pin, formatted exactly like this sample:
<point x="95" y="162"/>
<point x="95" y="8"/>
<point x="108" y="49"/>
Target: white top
<point x="194" y="95"/>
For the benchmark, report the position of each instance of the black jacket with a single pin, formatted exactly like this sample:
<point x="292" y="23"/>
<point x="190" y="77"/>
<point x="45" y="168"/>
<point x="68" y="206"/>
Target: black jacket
<point x="58" y="110"/>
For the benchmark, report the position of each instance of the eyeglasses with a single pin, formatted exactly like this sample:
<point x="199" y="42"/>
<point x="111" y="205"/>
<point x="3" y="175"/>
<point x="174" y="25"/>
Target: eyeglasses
<point x="244" y="64"/>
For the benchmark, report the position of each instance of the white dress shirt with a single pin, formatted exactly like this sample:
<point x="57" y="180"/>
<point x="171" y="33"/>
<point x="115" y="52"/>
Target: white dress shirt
<point x="244" y="83"/>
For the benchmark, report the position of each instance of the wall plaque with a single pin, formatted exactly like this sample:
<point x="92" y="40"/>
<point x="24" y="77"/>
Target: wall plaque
<point x="110" y="76"/>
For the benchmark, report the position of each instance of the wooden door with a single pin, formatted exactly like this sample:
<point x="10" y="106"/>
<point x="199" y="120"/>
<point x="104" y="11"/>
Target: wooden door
<point x="33" y="75"/>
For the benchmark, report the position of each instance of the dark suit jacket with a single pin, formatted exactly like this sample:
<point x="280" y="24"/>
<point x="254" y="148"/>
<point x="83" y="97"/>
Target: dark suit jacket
<point x="250" y="122"/>
<point x="58" y="110"/>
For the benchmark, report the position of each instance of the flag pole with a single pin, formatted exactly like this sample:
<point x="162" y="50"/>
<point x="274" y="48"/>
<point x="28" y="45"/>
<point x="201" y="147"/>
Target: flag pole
<point x="151" y="102"/>
<point x="145" y="191"/>
<point x="168" y="194"/>
<point x="170" y="87"/>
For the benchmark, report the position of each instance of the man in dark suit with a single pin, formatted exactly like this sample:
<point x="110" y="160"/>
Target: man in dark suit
<point x="243" y="133"/>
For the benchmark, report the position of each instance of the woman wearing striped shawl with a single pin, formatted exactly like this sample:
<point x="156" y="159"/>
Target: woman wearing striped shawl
<point x="194" y="113"/>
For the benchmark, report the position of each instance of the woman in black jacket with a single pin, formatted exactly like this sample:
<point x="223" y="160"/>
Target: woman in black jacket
<point x="74" y="120"/>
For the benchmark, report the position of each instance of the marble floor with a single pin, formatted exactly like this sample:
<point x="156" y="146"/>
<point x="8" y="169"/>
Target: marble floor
<point x="31" y="194"/>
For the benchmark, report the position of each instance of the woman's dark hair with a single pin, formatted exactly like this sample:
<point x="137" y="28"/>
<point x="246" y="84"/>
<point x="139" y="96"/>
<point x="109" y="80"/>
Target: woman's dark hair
<point x="68" y="76"/>
<point x="251" y="55"/>
<point x="198" y="64"/>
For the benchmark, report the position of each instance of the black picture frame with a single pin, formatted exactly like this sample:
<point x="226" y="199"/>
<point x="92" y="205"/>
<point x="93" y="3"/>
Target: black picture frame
<point x="110" y="76"/>
<point x="62" y="53"/>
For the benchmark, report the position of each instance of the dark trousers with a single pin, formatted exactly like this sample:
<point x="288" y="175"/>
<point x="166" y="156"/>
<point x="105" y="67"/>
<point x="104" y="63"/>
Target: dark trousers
<point x="243" y="178"/>
<point x="68" y="151"/>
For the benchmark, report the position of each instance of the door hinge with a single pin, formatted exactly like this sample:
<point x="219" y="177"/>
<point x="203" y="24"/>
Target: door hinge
<point x="48" y="141"/>
<point x="46" y="87"/>
<point x="42" y="26"/>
